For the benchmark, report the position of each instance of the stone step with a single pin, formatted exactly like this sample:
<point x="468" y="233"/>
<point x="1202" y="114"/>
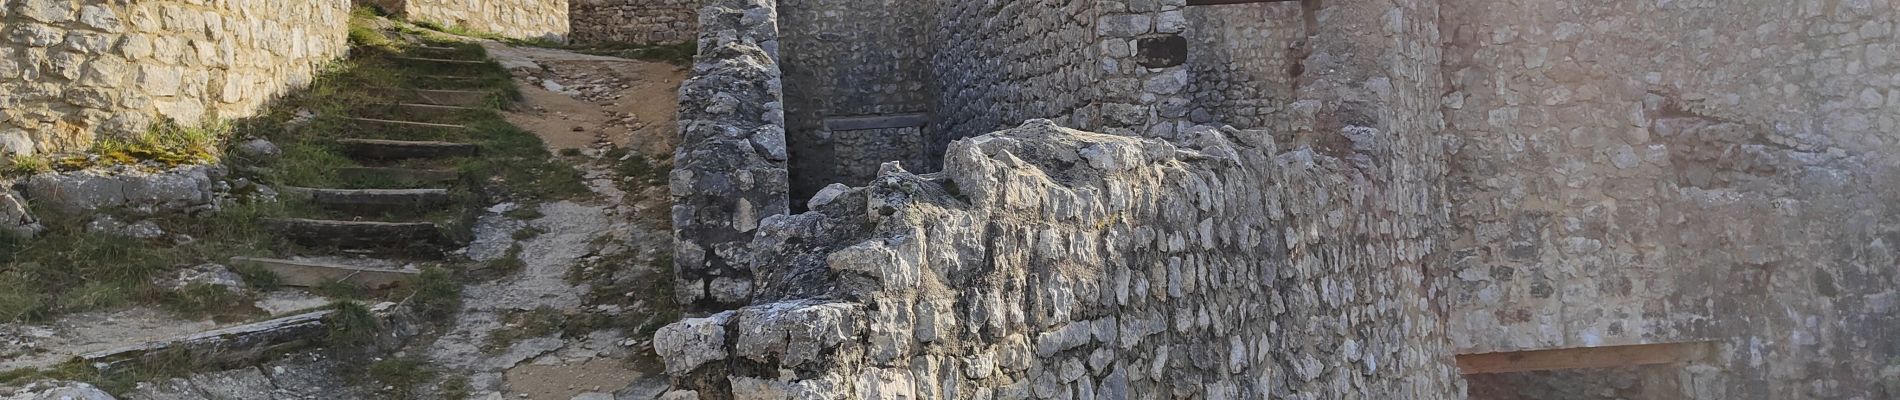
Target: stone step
<point x="431" y="110"/>
<point x="401" y="176"/>
<point x="397" y="238"/>
<point x="452" y="53"/>
<point x="428" y="60"/>
<point x="373" y="201"/>
<point x="378" y="149"/>
<point x="316" y="274"/>
<point x="412" y="124"/>
<point x="458" y="98"/>
<point x="236" y="345"/>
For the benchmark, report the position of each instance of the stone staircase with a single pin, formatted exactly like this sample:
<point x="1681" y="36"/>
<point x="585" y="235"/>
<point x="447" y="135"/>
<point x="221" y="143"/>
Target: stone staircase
<point x="402" y="204"/>
<point x="410" y="147"/>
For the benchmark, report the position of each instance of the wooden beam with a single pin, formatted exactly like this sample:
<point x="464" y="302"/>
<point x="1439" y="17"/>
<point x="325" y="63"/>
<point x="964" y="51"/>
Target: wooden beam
<point x="1579" y="358"/>
<point x="1220" y="2"/>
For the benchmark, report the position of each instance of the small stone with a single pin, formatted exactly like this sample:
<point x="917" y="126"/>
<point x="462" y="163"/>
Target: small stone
<point x="258" y="150"/>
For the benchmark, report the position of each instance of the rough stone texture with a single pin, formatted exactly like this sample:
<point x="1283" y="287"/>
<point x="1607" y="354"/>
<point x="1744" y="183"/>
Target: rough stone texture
<point x="634" y="21"/>
<point x="520" y="19"/>
<point x="1643" y="172"/>
<point x="729" y="169"/>
<point x="15" y="219"/>
<point x="72" y="71"/>
<point x="55" y="390"/>
<point x="182" y="189"/>
<point x="1056" y="263"/>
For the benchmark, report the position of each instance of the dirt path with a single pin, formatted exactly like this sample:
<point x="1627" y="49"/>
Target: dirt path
<point x="502" y="340"/>
<point x="576" y="101"/>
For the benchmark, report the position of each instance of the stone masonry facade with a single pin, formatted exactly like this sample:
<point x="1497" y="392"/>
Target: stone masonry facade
<point x="75" y="71"/>
<point x="634" y="21"/>
<point x="520" y="19"/>
<point x="1650" y="172"/>
<point x="1402" y="182"/>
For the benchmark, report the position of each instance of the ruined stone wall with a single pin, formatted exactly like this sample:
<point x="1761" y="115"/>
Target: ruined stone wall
<point x="729" y="168"/>
<point x="851" y="59"/>
<point x="1645" y="172"/>
<point x="1052" y="263"/>
<point x="634" y="21"/>
<point x="520" y="19"/>
<point x="73" y="71"/>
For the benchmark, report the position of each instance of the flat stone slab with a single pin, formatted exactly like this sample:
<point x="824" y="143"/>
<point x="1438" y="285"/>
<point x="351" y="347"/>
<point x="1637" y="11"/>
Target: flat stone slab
<point x="461" y="98"/>
<point x="316" y="274"/>
<point x="412" y="238"/>
<point x="378" y="149"/>
<point x="374" y="200"/>
<point x="440" y="60"/>
<point x="413" y="124"/>
<point x="431" y="110"/>
<point x="239" y="344"/>
<point x="403" y="176"/>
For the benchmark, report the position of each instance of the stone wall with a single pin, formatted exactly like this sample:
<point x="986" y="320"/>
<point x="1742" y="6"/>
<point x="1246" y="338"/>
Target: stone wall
<point x="74" y="71"/>
<point x="1648" y="172"/>
<point x="520" y="19"/>
<point x="1244" y="58"/>
<point x="729" y="167"/>
<point x="1052" y="263"/>
<point x="1002" y="62"/>
<point x="851" y="59"/>
<point x="634" y="21"/>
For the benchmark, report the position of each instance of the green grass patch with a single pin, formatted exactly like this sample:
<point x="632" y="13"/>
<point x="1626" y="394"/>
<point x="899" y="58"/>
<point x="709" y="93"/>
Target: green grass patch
<point x="525" y="212"/>
<point x="351" y="325"/>
<point x="453" y="387"/>
<point x="400" y="378"/>
<point x="639" y="169"/>
<point x="118" y="380"/>
<point x="438" y="294"/>
<point x="528" y="233"/>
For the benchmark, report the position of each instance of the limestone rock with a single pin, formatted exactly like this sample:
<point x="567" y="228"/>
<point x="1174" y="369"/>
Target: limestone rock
<point x="14" y="217"/>
<point x="109" y="225"/>
<point x="692" y="342"/>
<point x="258" y="150"/>
<point x="210" y="274"/>
<point x="57" y="390"/>
<point x="182" y="189"/>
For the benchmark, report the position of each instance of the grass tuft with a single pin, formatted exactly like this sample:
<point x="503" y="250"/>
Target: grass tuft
<point x="438" y="294"/>
<point x="352" y="325"/>
<point x="401" y="377"/>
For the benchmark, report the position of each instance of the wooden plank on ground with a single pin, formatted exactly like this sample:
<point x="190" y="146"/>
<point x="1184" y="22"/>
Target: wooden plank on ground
<point x="1580" y="358"/>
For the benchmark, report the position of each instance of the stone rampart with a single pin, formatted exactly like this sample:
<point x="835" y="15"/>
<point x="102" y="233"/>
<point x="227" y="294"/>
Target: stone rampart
<point x="75" y="71"/>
